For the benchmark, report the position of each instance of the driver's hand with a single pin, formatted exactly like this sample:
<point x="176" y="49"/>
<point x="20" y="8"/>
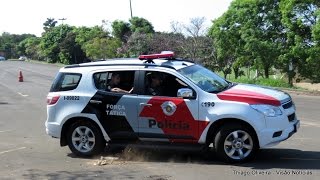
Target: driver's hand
<point x="115" y="89"/>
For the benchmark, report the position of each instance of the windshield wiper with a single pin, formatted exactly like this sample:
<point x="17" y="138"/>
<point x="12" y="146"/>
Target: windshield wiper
<point x="230" y="85"/>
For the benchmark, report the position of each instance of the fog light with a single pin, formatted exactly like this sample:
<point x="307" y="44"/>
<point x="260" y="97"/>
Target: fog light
<point x="277" y="134"/>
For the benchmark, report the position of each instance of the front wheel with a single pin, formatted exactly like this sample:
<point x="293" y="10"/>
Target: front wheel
<point x="85" y="139"/>
<point x="235" y="143"/>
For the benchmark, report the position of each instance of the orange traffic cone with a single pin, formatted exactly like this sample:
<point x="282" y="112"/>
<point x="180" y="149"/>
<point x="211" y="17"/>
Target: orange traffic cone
<point x="20" y="76"/>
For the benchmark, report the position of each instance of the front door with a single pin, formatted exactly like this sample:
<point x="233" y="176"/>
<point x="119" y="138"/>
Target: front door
<point x="162" y="115"/>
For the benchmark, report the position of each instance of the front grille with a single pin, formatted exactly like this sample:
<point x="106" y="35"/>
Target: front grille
<point x="292" y="117"/>
<point x="287" y="105"/>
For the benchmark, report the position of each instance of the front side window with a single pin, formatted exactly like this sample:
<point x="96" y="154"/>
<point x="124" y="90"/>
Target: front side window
<point x="115" y="81"/>
<point x="162" y="84"/>
<point x="205" y="79"/>
<point x="65" y="82"/>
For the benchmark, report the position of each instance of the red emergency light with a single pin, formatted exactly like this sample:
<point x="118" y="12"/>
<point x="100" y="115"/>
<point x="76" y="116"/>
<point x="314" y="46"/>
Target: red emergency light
<point x="165" y="54"/>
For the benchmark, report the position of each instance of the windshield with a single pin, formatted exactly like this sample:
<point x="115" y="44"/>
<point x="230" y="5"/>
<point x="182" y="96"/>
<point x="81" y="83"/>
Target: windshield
<point x="205" y="79"/>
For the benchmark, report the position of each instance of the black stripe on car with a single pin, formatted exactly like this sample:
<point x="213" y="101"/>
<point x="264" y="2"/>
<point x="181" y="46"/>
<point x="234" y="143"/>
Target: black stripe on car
<point x="116" y="126"/>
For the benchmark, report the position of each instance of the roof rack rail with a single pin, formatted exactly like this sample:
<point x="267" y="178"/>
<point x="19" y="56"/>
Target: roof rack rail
<point x="126" y="64"/>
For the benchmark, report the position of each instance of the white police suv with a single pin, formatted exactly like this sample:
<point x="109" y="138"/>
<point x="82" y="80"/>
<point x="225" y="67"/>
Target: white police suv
<point x="158" y="100"/>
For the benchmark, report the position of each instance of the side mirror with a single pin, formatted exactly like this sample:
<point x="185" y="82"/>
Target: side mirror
<point x="185" y="93"/>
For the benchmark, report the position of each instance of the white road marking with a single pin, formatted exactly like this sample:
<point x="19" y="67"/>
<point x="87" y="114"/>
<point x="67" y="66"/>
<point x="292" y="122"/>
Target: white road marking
<point x="11" y="150"/>
<point x="5" y="131"/>
<point x="24" y="95"/>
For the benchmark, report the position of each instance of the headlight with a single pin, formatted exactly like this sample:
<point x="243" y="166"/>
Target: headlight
<point x="267" y="110"/>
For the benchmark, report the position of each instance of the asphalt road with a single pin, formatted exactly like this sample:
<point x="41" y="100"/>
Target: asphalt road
<point x="26" y="152"/>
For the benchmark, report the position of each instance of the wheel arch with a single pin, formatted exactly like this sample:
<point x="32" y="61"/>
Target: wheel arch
<point x="67" y="124"/>
<point x="215" y="126"/>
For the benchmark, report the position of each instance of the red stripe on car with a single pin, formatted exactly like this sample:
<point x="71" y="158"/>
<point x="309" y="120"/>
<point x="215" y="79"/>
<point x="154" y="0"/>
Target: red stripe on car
<point x="180" y="123"/>
<point x="249" y="97"/>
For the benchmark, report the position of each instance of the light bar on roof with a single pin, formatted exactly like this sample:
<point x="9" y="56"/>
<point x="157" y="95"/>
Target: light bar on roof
<point x="164" y="54"/>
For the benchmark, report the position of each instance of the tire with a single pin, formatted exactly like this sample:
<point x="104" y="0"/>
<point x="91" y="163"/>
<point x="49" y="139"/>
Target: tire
<point x="235" y="143"/>
<point x="85" y="139"/>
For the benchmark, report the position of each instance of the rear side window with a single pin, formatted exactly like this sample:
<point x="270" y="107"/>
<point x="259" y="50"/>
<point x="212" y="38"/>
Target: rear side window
<point x="65" y="82"/>
<point x="115" y="81"/>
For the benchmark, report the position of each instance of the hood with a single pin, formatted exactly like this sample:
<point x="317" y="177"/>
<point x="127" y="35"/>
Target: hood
<point x="253" y="94"/>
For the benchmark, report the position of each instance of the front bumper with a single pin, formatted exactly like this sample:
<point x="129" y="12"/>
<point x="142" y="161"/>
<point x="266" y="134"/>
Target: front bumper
<point x="267" y="137"/>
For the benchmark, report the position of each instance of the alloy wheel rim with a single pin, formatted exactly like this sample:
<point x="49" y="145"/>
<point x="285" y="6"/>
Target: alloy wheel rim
<point x="238" y="145"/>
<point x="83" y="139"/>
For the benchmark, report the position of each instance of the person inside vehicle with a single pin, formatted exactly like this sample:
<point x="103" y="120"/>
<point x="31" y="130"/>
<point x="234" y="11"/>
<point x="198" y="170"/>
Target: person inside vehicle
<point x="114" y="83"/>
<point x="155" y="88"/>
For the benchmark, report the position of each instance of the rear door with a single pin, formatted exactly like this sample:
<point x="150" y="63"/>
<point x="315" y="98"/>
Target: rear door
<point x="116" y="111"/>
<point x="166" y="117"/>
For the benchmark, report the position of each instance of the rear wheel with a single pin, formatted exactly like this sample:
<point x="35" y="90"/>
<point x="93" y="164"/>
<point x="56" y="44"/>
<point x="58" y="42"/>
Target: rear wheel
<point x="85" y="139"/>
<point x="235" y="143"/>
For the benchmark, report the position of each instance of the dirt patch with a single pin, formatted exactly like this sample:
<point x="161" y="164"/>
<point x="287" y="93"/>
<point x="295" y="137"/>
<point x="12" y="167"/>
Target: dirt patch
<point x="302" y="92"/>
<point x="109" y="160"/>
<point x="308" y="86"/>
<point x="136" y="155"/>
<point x="124" y="157"/>
<point x="305" y="89"/>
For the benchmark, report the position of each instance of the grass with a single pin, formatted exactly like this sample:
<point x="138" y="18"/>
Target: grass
<point x="272" y="81"/>
<point x="263" y="81"/>
<point x="275" y="80"/>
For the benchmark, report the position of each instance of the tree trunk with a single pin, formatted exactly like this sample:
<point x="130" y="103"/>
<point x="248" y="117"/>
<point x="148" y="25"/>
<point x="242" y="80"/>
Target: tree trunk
<point x="266" y="72"/>
<point x="225" y="74"/>
<point x="236" y="72"/>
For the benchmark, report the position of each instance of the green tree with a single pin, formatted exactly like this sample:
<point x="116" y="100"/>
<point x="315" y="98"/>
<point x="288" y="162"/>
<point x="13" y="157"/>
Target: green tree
<point x="9" y="44"/>
<point x="49" y="24"/>
<point x="141" y="25"/>
<point x="121" y="30"/>
<point x="249" y="33"/>
<point x="50" y="43"/>
<point x="102" y="48"/>
<point x="85" y="34"/>
<point x="301" y="20"/>
<point x="30" y="47"/>
<point x="87" y="37"/>
<point x="70" y="51"/>
<point x="225" y="33"/>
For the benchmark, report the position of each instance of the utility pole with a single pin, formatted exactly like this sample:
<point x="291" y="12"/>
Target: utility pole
<point x="62" y="19"/>
<point x="130" y="9"/>
<point x="291" y="73"/>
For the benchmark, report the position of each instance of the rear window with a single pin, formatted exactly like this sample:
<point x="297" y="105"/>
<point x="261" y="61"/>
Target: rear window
<point x="65" y="82"/>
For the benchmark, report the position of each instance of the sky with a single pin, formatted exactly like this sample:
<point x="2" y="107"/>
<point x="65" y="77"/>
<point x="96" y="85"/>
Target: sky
<point x="28" y="16"/>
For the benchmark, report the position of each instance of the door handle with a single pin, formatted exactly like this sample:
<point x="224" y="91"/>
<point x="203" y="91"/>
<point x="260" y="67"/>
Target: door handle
<point x="95" y="102"/>
<point x="145" y="104"/>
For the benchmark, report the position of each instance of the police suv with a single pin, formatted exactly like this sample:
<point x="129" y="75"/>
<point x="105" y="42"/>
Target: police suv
<point x="158" y="100"/>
